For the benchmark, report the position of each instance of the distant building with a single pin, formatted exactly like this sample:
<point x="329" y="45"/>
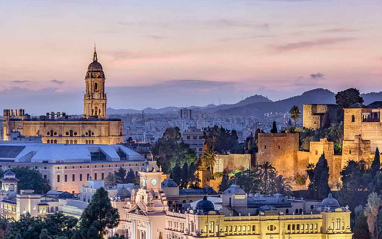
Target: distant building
<point x="185" y="113"/>
<point x="58" y="128"/>
<point x="69" y="167"/>
<point x="194" y="138"/>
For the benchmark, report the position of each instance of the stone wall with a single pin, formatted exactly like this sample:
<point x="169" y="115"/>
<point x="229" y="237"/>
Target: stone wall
<point x="232" y="162"/>
<point x="355" y="123"/>
<point x="357" y="149"/>
<point x="281" y="151"/>
<point x="314" y="114"/>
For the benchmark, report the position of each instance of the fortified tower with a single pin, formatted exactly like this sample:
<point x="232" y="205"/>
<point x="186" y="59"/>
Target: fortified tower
<point x="95" y="97"/>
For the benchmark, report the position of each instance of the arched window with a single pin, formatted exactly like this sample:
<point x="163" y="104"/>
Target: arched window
<point x="95" y="87"/>
<point x="55" y="141"/>
<point x="338" y="223"/>
<point x="352" y="118"/>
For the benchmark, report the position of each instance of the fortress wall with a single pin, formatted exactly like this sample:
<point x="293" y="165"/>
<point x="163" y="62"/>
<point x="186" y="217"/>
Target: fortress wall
<point x="281" y="151"/>
<point x="232" y="162"/>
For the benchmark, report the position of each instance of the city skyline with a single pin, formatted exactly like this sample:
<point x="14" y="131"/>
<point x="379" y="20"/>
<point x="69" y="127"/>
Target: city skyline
<point x="194" y="53"/>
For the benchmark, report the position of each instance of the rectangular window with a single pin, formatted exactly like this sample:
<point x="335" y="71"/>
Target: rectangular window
<point x="66" y="178"/>
<point x="95" y="176"/>
<point x="45" y="177"/>
<point x="58" y="178"/>
<point x="73" y="177"/>
<point x="81" y="177"/>
<point x="88" y="176"/>
<point x="102" y="176"/>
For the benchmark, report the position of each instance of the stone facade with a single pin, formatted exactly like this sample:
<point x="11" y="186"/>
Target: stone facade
<point x="280" y="150"/>
<point x="357" y="149"/>
<point x="232" y="162"/>
<point x="314" y="115"/>
<point x="58" y="128"/>
<point x="363" y="122"/>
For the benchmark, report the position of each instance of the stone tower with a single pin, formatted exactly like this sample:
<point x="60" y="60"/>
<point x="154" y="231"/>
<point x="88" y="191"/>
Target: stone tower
<point x="95" y="96"/>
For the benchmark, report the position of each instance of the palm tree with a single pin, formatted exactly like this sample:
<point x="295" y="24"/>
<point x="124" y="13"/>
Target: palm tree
<point x="208" y="158"/>
<point x="268" y="173"/>
<point x="371" y="212"/>
<point x="283" y="186"/>
<point x="295" y="114"/>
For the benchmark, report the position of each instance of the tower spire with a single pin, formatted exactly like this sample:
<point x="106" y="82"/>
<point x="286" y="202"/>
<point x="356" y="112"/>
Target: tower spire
<point x="95" y="58"/>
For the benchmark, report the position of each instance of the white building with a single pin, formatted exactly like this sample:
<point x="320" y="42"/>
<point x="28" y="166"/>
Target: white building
<point x="68" y="167"/>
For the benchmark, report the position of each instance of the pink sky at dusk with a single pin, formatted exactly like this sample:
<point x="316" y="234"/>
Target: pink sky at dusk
<point x="238" y="48"/>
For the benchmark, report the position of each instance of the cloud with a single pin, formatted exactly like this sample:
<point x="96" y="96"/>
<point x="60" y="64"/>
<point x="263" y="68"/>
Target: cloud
<point x="339" y="30"/>
<point x="20" y="81"/>
<point x="317" y="76"/>
<point x="59" y="82"/>
<point x="311" y="44"/>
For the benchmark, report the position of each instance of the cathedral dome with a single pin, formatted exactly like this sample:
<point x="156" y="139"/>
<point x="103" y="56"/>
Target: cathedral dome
<point x="205" y="205"/>
<point x="95" y="66"/>
<point x="330" y="202"/>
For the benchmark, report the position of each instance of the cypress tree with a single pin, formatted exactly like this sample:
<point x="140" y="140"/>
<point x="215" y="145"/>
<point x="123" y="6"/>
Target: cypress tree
<point x="376" y="165"/>
<point x="274" y="128"/>
<point x="184" y="176"/>
<point x="176" y="174"/>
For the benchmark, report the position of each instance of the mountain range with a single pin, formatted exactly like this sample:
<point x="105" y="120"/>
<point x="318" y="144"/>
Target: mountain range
<point x="257" y="105"/>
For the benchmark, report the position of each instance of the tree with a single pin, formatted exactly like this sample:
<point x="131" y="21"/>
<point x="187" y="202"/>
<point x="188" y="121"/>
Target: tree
<point x="191" y="174"/>
<point x="295" y="114"/>
<point x="120" y="175"/>
<point x="110" y="180"/>
<point x="225" y="182"/>
<point x="376" y="165"/>
<point x="170" y="150"/>
<point x="98" y="216"/>
<point x="283" y="186"/>
<point x="130" y="177"/>
<point x="360" y="230"/>
<point x="30" y="179"/>
<point x="116" y="236"/>
<point x="221" y="140"/>
<point x="176" y="174"/>
<point x="371" y="213"/>
<point x="274" y="128"/>
<point x="346" y="98"/>
<point x="268" y="174"/>
<point x="208" y="158"/>
<point x="56" y="225"/>
<point x="319" y="177"/>
<point x="184" y="175"/>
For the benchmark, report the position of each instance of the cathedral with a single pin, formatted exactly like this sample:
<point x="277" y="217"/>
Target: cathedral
<point x="58" y="128"/>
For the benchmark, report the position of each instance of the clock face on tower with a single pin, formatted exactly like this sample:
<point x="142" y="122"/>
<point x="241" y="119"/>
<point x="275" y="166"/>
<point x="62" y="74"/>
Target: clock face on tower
<point x="153" y="181"/>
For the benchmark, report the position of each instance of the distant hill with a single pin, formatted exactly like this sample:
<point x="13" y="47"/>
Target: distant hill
<point x="257" y="105"/>
<point x="316" y="96"/>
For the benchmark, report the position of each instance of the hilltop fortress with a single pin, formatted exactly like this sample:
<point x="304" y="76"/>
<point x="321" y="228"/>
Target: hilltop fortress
<point x="58" y="128"/>
<point x="362" y="135"/>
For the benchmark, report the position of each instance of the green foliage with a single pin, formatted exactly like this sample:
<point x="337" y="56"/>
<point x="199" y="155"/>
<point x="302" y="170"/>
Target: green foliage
<point x="208" y="158"/>
<point x="170" y="150"/>
<point x="274" y="128"/>
<point x="295" y="114"/>
<point x="176" y="174"/>
<point x="374" y="202"/>
<point x="184" y="175"/>
<point x="120" y="175"/>
<point x="319" y="177"/>
<point x="98" y="216"/>
<point x="130" y="177"/>
<point x="222" y="141"/>
<point x="301" y="180"/>
<point x="30" y="179"/>
<point x="56" y="225"/>
<point x="261" y="179"/>
<point x="333" y="133"/>
<point x="110" y="180"/>
<point x="361" y="230"/>
<point x="346" y="98"/>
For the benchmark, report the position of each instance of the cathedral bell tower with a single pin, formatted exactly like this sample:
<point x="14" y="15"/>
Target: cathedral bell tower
<point x="95" y="96"/>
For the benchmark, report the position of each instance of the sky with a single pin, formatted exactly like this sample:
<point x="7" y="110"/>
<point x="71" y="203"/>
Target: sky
<point x="158" y="53"/>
